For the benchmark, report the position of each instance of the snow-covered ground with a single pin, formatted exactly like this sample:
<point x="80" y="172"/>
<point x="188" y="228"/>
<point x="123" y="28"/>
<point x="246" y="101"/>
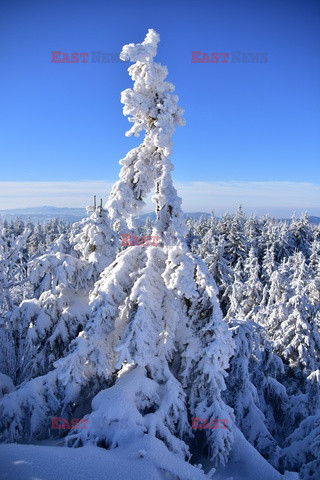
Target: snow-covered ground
<point x="135" y="462"/>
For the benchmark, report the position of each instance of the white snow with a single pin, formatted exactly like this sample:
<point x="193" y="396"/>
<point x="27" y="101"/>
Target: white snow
<point x="140" y="461"/>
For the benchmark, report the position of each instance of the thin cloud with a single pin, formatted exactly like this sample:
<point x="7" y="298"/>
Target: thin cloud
<point x="56" y="194"/>
<point x="277" y="198"/>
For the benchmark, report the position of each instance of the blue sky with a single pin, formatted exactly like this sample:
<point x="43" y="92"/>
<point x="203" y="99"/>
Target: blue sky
<point x="251" y="124"/>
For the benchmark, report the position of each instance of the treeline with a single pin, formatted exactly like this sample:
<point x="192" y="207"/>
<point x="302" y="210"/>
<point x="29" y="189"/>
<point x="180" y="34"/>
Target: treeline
<point x="267" y="275"/>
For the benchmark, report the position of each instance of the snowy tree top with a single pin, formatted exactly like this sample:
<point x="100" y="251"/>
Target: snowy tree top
<point x="151" y="107"/>
<point x="141" y="52"/>
<point x="150" y="102"/>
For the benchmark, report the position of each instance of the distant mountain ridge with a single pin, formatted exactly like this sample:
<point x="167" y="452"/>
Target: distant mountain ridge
<point x="43" y="214"/>
<point x="69" y="214"/>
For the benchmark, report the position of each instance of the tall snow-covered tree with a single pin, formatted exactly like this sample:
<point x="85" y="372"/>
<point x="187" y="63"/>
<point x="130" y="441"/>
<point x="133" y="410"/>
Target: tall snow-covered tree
<point x="165" y="320"/>
<point x="155" y="336"/>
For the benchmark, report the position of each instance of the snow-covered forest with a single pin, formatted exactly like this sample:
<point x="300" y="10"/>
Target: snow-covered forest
<point x="153" y="346"/>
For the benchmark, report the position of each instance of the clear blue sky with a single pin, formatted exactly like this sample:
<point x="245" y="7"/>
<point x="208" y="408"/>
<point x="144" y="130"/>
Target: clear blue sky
<point x="248" y="122"/>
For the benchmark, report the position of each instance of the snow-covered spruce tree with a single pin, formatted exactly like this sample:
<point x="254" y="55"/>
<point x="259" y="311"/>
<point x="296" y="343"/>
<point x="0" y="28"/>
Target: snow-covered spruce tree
<point x="246" y="290"/>
<point x="146" y="227"/>
<point x="12" y="268"/>
<point x="213" y="254"/>
<point x="94" y="241"/>
<point x="171" y="345"/>
<point x="268" y="266"/>
<point x="64" y="279"/>
<point x="224" y="225"/>
<point x="156" y="332"/>
<point x="315" y="256"/>
<point x="43" y="327"/>
<point x="298" y="341"/>
<point x="5" y="298"/>
<point x="252" y="286"/>
<point x="275" y="298"/>
<point x="14" y="350"/>
<point x="252" y="390"/>
<point x="252" y="232"/>
<point x="284" y="241"/>
<point x="237" y="244"/>
<point x="301" y="232"/>
<point x="52" y="230"/>
<point x="266" y="375"/>
<point x="290" y="321"/>
<point x="236" y="292"/>
<point x="155" y="110"/>
<point x="46" y="323"/>
<point x="301" y="450"/>
<point x="16" y="353"/>
<point x="36" y="243"/>
<point x="40" y="331"/>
